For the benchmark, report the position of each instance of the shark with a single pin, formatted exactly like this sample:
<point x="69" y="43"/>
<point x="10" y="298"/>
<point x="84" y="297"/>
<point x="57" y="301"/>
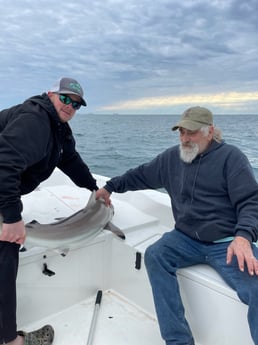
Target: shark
<point x="79" y="227"/>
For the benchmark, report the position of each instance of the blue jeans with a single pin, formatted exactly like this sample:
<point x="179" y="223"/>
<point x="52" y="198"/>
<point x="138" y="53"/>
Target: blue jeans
<point x="176" y="250"/>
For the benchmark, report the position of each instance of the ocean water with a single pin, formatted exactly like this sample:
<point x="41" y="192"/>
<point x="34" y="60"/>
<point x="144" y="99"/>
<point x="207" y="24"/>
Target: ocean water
<point x="112" y="144"/>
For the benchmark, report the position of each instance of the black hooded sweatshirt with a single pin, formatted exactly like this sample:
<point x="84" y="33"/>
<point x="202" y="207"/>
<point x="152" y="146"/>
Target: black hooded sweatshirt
<point x="33" y="142"/>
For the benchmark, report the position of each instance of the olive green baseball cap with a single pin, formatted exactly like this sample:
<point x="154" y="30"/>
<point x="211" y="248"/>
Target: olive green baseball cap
<point x="195" y="118"/>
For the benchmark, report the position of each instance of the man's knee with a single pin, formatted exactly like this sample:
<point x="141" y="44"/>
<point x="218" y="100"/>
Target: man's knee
<point x="151" y="255"/>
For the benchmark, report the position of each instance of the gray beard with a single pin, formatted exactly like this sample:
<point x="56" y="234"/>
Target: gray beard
<point x="188" y="154"/>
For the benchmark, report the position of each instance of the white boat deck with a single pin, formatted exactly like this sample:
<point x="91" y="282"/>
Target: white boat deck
<point x="117" y="320"/>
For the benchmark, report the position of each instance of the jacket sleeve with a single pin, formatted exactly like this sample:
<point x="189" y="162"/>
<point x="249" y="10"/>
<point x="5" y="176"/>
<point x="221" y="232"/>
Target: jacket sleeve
<point x="243" y="193"/>
<point x="73" y="166"/>
<point x="145" y="176"/>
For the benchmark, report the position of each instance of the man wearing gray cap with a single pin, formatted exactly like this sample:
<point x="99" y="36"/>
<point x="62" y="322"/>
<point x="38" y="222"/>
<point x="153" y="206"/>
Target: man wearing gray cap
<point x="214" y="198"/>
<point x="35" y="138"/>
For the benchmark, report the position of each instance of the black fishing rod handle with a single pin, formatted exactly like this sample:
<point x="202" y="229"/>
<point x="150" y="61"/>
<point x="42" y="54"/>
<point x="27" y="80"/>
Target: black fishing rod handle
<point x="99" y="297"/>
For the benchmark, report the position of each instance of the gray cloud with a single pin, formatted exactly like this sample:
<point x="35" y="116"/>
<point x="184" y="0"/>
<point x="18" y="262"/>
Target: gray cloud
<point x="125" y="50"/>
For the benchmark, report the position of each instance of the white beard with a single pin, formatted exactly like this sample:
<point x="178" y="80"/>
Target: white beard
<point x="188" y="153"/>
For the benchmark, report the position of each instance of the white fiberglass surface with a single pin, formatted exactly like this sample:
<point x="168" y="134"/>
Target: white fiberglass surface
<point x="117" y="323"/>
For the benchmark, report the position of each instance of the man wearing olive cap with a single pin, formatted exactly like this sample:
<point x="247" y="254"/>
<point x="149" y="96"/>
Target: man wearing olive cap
<point x="214" y="198"/>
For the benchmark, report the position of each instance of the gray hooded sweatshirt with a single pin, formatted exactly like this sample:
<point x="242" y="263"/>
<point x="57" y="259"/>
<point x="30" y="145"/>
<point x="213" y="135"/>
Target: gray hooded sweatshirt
<point x="212" y="198"/>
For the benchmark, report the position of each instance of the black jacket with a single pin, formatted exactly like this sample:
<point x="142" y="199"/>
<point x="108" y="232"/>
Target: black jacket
<point x="33" y="141"/>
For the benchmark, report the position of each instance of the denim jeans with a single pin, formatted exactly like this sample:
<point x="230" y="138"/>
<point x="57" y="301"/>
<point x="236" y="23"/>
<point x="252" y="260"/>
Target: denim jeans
<point x="176" y="250"/>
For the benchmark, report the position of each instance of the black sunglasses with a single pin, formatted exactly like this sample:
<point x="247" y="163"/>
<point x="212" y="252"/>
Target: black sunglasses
<point x="67" y="100"/>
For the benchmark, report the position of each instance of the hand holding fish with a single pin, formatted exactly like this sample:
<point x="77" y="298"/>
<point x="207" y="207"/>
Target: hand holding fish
<point x="14" y="232"/>
<point x="102" y="193"/>
<point x="241" y="247"/>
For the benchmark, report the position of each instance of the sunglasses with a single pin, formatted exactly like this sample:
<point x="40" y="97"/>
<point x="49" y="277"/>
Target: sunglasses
<point x="65" y="99"/>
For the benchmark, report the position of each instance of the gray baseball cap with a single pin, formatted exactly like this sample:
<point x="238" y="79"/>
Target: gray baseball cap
<point x="194" y="118"/>
<point x="68" y="86"/>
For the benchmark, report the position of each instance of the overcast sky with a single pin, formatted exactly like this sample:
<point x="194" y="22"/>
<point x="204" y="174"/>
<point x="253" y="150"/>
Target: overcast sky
<point x="133" y="56"/>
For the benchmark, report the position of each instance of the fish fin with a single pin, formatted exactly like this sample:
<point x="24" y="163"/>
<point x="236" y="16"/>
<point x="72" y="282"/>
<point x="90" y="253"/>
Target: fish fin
<point x="29" y="225"/>
<point x="113" y="228"/>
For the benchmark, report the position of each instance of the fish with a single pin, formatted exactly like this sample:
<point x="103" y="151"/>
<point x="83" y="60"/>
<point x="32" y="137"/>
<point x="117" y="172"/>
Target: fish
<point x="116" y="231"/>
<point x="81" y="226"/>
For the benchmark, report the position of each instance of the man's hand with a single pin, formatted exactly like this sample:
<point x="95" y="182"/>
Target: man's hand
<point x="241" y="248"/>
<point x="14" y="232"/>
<point x="102" y="193"/>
